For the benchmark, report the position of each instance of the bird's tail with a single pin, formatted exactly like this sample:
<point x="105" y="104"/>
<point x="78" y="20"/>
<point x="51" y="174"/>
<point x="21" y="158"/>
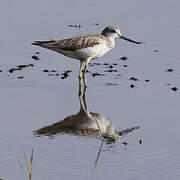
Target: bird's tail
<point x="41" y="43"/>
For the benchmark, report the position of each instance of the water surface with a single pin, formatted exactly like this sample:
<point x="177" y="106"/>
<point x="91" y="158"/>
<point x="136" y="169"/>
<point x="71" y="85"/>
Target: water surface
<point x="32" y="99"/>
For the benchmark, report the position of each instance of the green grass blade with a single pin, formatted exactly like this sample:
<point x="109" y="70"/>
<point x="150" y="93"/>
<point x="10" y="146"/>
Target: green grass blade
<point x="25" y="157"/>
<point x="30" y="165"/>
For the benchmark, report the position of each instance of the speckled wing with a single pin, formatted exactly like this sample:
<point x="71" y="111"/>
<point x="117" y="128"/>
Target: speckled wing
<point x="71" y="44"/>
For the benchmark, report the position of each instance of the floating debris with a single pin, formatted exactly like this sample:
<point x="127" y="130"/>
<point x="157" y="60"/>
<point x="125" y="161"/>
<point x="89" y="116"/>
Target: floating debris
<point x="174" y="88"/>
<point x="53" y="71"/>
<point x="97" y="74"/>
<point x="93" y="64"/>
<point x="170" y="70"/>
<point x="133" y="79"/>
<point x="53" y="74"/>
<point x="124" y="58"/>
<point x="111" y="70"/>
<point x="96" y="24"/>
<point x="48" y="71"/>
<point x="20" y="67"/>
<point x="125" y="143"/>
<point x="75" y="25"/>
<point x="20" y="77"/>
<point x="119" y="74"/>
<point x="110" y="67"/>
<point x="12" y="70"/>
<point x="45" y="70"/>
<point x="106" y="64"/>
<point x="35" y="57"/>
<point x="66" y="74"/>
<point x="111" y="84"/>
<point x="132" y="86"/>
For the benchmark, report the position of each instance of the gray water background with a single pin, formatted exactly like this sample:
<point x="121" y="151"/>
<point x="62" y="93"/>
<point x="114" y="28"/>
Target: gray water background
<point x="38" y="100"/>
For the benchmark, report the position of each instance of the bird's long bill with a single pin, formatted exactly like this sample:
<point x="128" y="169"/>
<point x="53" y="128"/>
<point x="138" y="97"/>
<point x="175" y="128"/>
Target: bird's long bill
<point x="130" y="40"/>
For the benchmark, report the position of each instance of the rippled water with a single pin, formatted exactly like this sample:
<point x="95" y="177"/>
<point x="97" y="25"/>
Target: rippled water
<point x="132" y="102"/>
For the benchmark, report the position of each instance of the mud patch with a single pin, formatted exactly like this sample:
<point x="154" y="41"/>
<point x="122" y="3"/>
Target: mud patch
<point x="20" y="67"/>
<point x="124" y="58"/>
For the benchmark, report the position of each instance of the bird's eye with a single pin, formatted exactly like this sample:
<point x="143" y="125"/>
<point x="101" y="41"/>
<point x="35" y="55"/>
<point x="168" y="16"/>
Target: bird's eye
<point x="113" y="31"/>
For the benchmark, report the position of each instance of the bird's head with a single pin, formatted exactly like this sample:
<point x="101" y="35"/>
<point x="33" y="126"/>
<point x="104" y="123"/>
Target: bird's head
<point x="114" y="32"/>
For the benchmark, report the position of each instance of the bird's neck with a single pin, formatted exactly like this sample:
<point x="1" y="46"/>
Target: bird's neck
<point x="110" y="36"/>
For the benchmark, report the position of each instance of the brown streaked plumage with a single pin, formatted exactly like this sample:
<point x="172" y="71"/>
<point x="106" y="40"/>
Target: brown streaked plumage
<point x="85" y="48"/>
<point x="72" y="44"/>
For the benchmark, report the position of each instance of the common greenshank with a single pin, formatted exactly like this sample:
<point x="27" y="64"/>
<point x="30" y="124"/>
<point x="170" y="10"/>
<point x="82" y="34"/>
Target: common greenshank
<point x="85" y="48"/>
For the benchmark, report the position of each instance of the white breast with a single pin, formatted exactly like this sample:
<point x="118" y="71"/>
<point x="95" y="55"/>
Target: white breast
<point x="93" y="52"/>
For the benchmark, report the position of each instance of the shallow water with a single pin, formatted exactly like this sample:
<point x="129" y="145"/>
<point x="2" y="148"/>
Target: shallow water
<point x="32" y="99"/>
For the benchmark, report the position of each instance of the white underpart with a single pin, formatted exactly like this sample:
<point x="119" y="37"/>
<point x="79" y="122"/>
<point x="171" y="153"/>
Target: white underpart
<point x="93" y="52"/>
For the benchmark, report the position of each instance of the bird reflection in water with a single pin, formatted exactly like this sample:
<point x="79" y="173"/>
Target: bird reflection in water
<point x="86" y="124"/>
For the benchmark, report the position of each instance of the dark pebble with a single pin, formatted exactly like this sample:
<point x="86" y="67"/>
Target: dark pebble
<point x="20" y="77"/>
<point x="65" y="74"/>
<point x="96" y="24"/>
<point x="140" y="141"/>
<point x="111" y="70"/>
<point x="110" y="67"/>
<point x="21" y="66"/>
<point x="0" y="70"/>
<point x="53" y="71"/>
<point x="75" y="25"/>
<point x="169" y="70"/>
<point x="30" y="65"/>
<point x="50" y="74"/>
<point x="45" y="70"/>
<point x="97" y="74"/>
<point x="125" y="143"/>
<point x="36" y="52"/>
<point x="12" y="70"/>
<point x="90" y="64"/>
<point x="125" y="65"/>
<point x="124" y="58"/>
<point x="174" y="88"/>
<point x="106" y="64"/>
<point x="147" y="80"/>
<point x="111" y="84"/>
<point x="133" y="79"/>
<point x="68" y="71"/>
<point x="35" y="57"/>
<point x="132" y="86"/>
<point x="155" y="50"/>
<point x="114" y="64"/>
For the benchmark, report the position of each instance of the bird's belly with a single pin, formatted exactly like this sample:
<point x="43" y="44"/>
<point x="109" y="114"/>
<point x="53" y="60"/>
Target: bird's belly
<point x="71" y="54"/>
<point x="93" y="52"/>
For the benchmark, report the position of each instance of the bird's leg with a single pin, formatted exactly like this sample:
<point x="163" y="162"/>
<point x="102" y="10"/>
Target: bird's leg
<point x="84" y="73"/>
<point x="80" y="74"/>
<point x="84" y="98"/>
